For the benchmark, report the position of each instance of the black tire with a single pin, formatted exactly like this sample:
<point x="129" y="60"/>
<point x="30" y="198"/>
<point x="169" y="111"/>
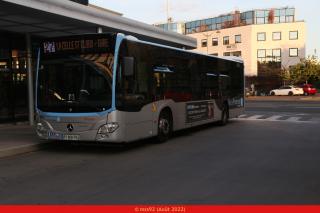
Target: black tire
<point x="313" y="93"/>
<point x="306" y="93"/>
<point x="290" y="93"/>
<point x="273" y="94"/>
<point x="224" y="115"/>
<point x="164" y="127"/>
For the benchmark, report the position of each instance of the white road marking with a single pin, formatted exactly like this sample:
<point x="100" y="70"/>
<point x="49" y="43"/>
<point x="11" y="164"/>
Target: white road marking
<point x="262" y="106"/>
<point x="275" y="117"/>
<point x="315" y="119"/>
<point x="255" y="116"/>
<point x="293" y="118"/>
<point x="242" y="116"/>
<point x="308" y="107"/>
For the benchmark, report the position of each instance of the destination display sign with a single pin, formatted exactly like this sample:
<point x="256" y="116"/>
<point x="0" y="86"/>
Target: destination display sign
<point x="197" y="111"/>
<point x="78" y="44"/>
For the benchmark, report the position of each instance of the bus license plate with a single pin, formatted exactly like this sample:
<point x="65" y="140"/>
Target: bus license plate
<point x="71" y="137"/>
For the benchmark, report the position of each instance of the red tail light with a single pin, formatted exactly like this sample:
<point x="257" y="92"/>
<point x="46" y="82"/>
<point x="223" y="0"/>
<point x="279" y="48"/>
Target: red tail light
<point x="297" y="89"/>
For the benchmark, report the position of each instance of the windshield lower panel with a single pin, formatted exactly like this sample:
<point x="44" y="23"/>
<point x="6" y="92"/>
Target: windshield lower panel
<point x="75" y="84"/>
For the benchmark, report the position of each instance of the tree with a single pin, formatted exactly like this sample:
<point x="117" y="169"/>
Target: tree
<point x="308" y="68"/>
<point x="236" y="19"/>
<point x="226" y="24"/>
<point x="271" y="16"/>
<point x="202" y="28"/>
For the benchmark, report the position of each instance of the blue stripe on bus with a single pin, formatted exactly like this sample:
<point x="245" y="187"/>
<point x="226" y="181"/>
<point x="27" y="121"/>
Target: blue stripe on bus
<point x="75" y="114"/>
<point x="115" y="61"/>
<point x="113" y="107"/>
<point x="36" y="86"/>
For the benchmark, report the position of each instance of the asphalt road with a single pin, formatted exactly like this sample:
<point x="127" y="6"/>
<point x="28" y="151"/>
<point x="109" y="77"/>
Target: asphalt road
<point x="276" y="110"/>
<point x="249" y="161"/>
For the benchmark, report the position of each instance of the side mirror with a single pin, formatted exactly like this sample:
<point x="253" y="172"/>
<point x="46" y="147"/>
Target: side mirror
<point x="127" y="64"/>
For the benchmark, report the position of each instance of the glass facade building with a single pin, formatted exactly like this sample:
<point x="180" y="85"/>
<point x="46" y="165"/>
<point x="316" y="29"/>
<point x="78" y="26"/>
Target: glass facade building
<point x="178" y="27"/>
<point x="239" y="18"/>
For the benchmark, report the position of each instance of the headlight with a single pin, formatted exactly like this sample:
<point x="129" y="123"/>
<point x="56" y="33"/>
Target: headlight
<point x="108" y="128"/>
<point x="40" y="127"/>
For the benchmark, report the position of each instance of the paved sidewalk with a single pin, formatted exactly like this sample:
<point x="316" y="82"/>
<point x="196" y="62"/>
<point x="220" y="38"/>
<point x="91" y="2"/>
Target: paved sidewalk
<point x="19" y="139"/>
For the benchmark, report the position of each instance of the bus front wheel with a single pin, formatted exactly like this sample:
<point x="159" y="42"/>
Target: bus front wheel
<point x="164" y="127"/>
<point x="224" y="115"/>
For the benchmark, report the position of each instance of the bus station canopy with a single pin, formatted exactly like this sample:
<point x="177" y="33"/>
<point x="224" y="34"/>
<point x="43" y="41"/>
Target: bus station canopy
<point x="50" y="18"/>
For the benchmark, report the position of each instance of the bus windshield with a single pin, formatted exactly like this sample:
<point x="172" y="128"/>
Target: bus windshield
<point x="75" y="83"/>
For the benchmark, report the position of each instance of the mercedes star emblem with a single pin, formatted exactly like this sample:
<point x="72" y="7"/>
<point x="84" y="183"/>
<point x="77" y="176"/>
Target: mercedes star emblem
<point x="70" y="127"/>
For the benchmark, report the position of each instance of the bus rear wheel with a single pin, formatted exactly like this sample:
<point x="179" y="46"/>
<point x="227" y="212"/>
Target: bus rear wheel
<point x="224" y="116"/>
<point x="164" y="127"/>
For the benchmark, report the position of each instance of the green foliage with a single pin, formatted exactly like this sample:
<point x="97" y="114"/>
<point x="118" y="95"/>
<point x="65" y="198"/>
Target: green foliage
<point x="307" y="69"/>
<point x="317" y="84"/>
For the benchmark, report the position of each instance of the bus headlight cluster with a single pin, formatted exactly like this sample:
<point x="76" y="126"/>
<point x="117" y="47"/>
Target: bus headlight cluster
<point x="108" y="128"/>
<point x="40" y="127"/>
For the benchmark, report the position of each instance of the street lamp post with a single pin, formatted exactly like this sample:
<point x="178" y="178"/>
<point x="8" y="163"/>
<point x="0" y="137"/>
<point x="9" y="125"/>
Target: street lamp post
<point x="168" y="12"/>
<point x="208" y="39"/>
<point x="169" y="19"/>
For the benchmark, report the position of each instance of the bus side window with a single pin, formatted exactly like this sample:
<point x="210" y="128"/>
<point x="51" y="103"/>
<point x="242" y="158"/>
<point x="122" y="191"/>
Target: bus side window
<point x="224" y="77"/>
<point x="162" y="70"/>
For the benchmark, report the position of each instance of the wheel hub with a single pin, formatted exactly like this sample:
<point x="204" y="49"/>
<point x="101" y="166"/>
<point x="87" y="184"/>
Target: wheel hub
<point x="164" y="126"/>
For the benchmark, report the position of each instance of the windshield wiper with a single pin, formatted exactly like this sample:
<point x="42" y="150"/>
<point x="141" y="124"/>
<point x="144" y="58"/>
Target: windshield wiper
<point x="85" y="102"/>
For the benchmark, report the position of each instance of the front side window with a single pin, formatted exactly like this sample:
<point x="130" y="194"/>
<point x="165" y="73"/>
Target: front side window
<point x="238" y="39"/>
<point x="277" y="36"/>
<point x="215" y="42"/>
<point x="293" y="35"/>
<point x="293" y="52"/>
<point x="226" y="40"/>
<point x="261" y="36"/>
<point x="204" y="43"/>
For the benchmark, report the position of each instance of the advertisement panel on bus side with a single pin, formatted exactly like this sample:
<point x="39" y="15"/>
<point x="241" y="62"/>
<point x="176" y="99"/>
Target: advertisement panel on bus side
<point x="197" y="111"/>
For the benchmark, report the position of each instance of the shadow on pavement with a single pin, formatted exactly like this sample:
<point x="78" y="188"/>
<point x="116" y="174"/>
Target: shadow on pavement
<point x="112" y="148"/>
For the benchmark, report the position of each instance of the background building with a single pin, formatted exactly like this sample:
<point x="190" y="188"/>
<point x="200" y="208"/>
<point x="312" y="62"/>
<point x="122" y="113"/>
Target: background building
<point x="24" y="23"/>
<point x="178" y="27"/>
<point x="263" y="40"/>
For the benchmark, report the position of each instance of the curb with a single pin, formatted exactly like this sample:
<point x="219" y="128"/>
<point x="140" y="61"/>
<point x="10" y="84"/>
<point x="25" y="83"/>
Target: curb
<point x="28" y="148"/>
<point x="286" y="100"/>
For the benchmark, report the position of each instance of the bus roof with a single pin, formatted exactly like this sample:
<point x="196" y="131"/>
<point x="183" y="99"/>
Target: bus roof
<point x="229" y="58"/>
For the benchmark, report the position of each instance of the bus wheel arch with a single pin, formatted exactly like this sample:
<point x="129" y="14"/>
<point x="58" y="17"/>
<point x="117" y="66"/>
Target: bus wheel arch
<point x="165" y="125"/>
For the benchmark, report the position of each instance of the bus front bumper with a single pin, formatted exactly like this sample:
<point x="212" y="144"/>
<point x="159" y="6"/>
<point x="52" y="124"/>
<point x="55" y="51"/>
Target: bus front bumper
<point x="117" y="136"/>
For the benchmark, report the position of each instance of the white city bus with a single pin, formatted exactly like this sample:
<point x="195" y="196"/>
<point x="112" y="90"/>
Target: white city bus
<point x="112" y="88"/>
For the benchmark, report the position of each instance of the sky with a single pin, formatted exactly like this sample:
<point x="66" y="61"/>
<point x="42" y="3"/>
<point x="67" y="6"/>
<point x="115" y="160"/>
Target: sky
<point x="154" y="11"/>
